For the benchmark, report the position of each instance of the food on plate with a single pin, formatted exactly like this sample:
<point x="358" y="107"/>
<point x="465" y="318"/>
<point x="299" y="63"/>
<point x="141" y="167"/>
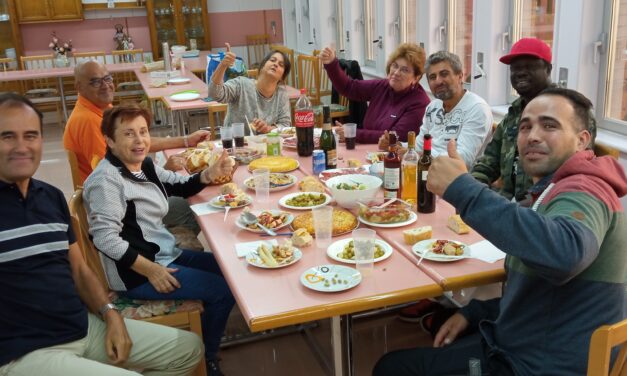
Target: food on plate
<point x="348" y="253"/>
<point x="288" y="132"/>
<point x="446" y="247"/>
<point x="304" y="200"/>
<point x="274" y="164"/>
<point x="456" y="224"/>
<point x="352" y="186"/>
<point x="269" y="220"/>
<point x="291" y="142"/>
<point x="232" y="196"/>
<point x="301" y="238"/>
<point x="414" y="235"/>
<point x="276" y="180"/>
<point x="200" y="158"/>
<point x="389" y="214"/>
<point x="230" y="188"/>
<point x="205" y="145"/>
<point x="328" y="174"/>
<point x="343" y="222"/>
<point x="245" y="155"/>
<point x="353" y="162"/>
<point x="277" y="254"/>
<point x="310" y="184"/>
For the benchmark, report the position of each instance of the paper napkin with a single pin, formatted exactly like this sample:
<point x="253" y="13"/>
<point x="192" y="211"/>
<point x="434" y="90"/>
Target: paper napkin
<point x="486" y="251"/>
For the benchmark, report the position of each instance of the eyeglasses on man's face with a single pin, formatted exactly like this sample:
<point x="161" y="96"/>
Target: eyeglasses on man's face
<point x="400" y="69"/>
<point x="97" y="82"/>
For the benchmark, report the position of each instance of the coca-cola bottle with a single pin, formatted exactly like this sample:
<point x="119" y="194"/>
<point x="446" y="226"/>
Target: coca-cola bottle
<point x="304" y="122"/>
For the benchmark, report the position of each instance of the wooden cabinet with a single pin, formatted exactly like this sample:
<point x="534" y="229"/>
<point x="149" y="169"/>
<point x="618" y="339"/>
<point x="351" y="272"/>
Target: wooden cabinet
<point x="48" y="10"/>
<point x="10" y="40"/>
<point x="176" y="22"/>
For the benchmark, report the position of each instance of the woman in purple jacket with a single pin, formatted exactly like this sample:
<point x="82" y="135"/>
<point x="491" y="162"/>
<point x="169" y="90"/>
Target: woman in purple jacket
<point x="397" y="102"/>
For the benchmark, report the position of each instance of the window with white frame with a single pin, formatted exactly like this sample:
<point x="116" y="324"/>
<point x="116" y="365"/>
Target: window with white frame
<point x="339" y="26"/>
<point x="369" y="21"/>
<point x="407" y="19"/>
<point x="534" y="18"/>
<point x="460" y="20"/>
<point x="615" y="106"/>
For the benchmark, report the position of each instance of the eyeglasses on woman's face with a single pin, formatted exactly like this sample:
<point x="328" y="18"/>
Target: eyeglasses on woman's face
<point x="404" y="70"/>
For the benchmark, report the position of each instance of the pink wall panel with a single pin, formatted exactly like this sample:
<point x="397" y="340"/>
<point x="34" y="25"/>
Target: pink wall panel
<point x="233" y="27"/>
<point x="86" y="35"/>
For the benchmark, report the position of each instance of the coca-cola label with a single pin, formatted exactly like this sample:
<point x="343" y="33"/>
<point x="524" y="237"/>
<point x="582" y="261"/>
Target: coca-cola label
<point x="303" y="119"/>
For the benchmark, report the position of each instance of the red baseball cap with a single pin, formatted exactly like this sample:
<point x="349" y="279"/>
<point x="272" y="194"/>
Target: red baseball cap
<point x="528" y="47"/>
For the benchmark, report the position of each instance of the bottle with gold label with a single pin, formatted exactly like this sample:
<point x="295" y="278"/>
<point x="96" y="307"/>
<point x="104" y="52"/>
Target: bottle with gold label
<point x="391" y="170"/>
<point x="327" y="140"/>
<point x="409" y="166"/>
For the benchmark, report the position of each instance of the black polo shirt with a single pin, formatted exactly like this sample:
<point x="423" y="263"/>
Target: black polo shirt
<point x="39" y="303"/>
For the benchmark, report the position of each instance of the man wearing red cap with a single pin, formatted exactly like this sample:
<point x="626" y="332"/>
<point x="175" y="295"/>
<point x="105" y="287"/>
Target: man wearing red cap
<point x="530" y="73"/>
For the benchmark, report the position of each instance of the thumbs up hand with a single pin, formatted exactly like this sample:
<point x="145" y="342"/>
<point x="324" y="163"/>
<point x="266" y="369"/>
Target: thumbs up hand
<point x="445" y="169"/>
<point x="229" y="57"/>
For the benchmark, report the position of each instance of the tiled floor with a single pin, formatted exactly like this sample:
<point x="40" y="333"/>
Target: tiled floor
<point x="283" y="355"/>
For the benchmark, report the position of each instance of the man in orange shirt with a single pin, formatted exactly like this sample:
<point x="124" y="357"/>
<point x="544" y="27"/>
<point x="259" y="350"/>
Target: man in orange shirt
<point x="83" y="135"/>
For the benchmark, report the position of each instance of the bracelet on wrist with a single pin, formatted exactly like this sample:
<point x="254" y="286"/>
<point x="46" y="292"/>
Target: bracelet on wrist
<point x="106" y="308"/>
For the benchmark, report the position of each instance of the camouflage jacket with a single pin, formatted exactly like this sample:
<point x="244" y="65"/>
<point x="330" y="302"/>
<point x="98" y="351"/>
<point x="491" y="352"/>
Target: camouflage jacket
<point x="500" y="158"/>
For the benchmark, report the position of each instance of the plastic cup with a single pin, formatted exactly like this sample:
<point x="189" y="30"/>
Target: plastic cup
<point x="261" y="177"/>
<point x="363" y="240"/>
<point x="323" y="225"/>
<point x="238" y="134"/>
<point x="350" y="133"/>
<point x="226" y="135"/>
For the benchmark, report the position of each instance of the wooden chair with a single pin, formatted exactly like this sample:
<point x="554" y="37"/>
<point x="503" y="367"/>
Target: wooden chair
<point x="601" y="150"/>
<point x="291" y="78"/>
<point x="309" y="76"/>
<point x="182" y="319"/>
<point x="43" y="92"/>
<point x="218" y="111"/>
<point x="9" y="64"/>
<point x="603" y="340"/>
<point x="257" y="46"/>
<point x="128" y="88"/>
<point x="252" y="73"/>
<point x="80" y="57"/>
<point x="76" y="176"/>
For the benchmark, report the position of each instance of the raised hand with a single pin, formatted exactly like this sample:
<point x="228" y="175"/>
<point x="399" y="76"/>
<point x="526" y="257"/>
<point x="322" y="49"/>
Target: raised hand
<point x="222" y="167"/>
<point x="445" y="169"/>
<point x="327" y="55"/>
<point x="229" y="57"/>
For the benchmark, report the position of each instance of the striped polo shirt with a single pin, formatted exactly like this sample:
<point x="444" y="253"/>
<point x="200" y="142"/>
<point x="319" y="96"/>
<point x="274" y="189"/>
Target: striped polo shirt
<point x="39" y="303"/>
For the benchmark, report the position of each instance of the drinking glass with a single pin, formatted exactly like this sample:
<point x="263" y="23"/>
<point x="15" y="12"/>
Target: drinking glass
<point x="363" y="240"/>
<point x="226" y="135"/>
<point x="323" y="225"/>
<point x="261" y="177"/>
<point x="238" y="134"/>
<point x="350" y="134"/>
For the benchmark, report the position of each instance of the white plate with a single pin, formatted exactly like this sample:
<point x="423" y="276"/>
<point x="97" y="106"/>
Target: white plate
<point x="184" y="97"/>
<point x="214" y="202"/>
<point x="420" y="247"/>
<point x="363" y="170"/>
<point x="314" y="278"/>
<point x="179" y="81"/>
<point x="412" y="218"/>
<point x="287" y="222"/>
<point x="337" y="248"/>
<point x="283" y="200"/>
<point x="250" y="181"/>
<point x="254" y="260"/>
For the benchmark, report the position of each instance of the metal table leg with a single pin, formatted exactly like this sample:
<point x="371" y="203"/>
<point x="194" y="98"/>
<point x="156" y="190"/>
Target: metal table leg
<point x="342" y="343"/>
<point x="63" y="104"/>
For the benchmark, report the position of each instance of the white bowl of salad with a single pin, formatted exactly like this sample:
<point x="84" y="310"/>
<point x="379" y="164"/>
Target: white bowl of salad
<point x="348" y="190"/>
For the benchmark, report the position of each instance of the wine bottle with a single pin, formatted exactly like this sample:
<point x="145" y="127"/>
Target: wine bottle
<point x="426" y="199"/>
<point x="409" y="166"/>
<point x="391" y="170"/>
<point x="327" y="140"/>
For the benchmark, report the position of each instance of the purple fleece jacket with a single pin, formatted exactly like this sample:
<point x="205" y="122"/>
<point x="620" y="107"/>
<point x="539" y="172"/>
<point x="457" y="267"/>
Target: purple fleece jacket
<point x="388" y="110"/>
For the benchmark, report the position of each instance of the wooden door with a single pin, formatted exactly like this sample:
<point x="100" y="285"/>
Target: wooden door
<point x="32" y="11"/>
<point x="66" y="9"/>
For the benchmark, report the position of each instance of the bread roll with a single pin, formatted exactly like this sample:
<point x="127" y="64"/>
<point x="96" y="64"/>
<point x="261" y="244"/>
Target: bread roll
<point x="456" y="224"/>
<point x="230" y="188"/>
<point x="301" y="238"/>
<point x="310" y="184"/>
<point x="414" y="235"/>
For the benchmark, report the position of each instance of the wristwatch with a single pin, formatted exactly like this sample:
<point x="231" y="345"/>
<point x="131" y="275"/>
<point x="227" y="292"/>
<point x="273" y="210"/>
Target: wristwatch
<point x="105" y="308"/>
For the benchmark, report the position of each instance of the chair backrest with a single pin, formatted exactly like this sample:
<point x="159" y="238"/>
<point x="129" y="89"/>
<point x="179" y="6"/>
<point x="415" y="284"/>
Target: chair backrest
<point x="81" y="230"/>
<point x="309" y="76"/>
<point x="36" y="62"/>
<point x="603" y="340"/>
<point x="9" y="64"/>
<point x="80" y="57"/>
<point x="216" y="110"/>
<point x="258" y="46"/>
<point x="291" y="78"/>
<point x="601" y="150"/>
<point x="127" y="56"/>
<point x="76" y="176"/>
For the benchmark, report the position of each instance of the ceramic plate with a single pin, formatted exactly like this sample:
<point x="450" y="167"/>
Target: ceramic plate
<point x="179" y="81"/>
<point x="330" y="278"/>
<point x="283" y="200"/>
<point x="184" y="97"/>
<point x="254" y="260"/>
<point x="424" y="245"/>
<point x="412" y="218"/>
<point x="288" y="220"/>
<point x="336" y="249"/>
<point x="276" y="181"/>
<point x="328" y="174"/>
<point x="216" y="203"/>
